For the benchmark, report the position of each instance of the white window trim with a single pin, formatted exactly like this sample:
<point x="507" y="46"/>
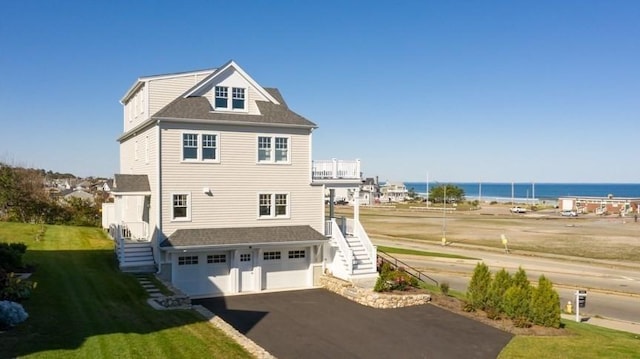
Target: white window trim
<point x="198" y="158"/>
<point x="273" y="150"/>
<point x="273" y="206"/>
<point x="229" y="107"/>
<point x="188" y="217"/>
<point x="135" y="150"/>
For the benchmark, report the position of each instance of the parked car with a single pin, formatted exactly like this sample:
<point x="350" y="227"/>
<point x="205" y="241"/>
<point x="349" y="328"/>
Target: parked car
<point x="518" y="209"/>
<point x="569" y="213"/>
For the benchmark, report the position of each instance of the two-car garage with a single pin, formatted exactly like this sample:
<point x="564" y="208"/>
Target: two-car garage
<point x="222" y="261"/>
<point x="234" y="271"/>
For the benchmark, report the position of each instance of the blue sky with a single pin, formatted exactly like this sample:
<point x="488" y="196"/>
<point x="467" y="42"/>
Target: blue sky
<point x="543" y="91"/>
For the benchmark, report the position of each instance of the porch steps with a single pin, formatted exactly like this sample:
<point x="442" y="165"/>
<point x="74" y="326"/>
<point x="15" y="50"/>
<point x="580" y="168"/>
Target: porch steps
<point x="137" y="257"/>
<point x="362" y="263"/>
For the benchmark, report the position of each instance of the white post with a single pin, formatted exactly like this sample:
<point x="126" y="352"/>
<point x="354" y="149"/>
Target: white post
<point x="577" y="306"/>
<point x="356" y="205"/>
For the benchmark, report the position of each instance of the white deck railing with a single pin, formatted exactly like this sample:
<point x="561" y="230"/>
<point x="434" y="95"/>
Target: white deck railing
<point x="135" y="230"/>
<point x="336" y="169"/>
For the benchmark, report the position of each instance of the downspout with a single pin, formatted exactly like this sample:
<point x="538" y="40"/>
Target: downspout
<point x="159" y="192"/>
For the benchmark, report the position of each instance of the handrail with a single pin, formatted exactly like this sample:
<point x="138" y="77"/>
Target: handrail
<point x="342" y="244"/>
<point x="364" y="239"/>
<point x="386" y="257"/>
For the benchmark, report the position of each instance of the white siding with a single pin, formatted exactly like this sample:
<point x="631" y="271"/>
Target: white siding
<point x="164" y="90"/>
<point x="236" y="181"/>
<point x="129" y="165"/>
<point x="135" y="109"/>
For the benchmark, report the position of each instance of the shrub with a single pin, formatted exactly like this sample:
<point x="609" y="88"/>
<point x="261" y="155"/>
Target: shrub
<point x="444" y="288"/>
<point x="545" y="308"/>
<point x="499" y="285"/>
<point x="516" y="305"/>
<point x="11" y="314"/>
<point x="14" y="288"/>
<point x="391" y="279"/>
<point x="11" y="256"/>
<point x="478" y="290"/>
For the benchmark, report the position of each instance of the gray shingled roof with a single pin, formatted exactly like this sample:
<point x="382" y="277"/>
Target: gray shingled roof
<point x="199" y="107"/>
<point x="242" y="235"/>
<point x="131" y="183"/>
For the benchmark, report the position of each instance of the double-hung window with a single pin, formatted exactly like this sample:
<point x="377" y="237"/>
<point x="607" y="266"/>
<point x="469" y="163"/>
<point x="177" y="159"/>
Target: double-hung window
<point x="180" y="207"/>
<point x="200" y="146"/>
<point x="238" y="98"/>
<point x="222" y="97"/>
<point x="273" y="205"/>
<point x="273" y="149"/>
<point x="237" y="102"/>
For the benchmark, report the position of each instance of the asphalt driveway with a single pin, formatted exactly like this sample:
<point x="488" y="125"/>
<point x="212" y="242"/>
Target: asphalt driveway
<point x="317" y="323"/>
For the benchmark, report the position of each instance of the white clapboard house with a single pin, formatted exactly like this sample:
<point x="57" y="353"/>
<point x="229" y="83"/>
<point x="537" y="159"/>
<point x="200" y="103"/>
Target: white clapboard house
<point x="218" y="192"/>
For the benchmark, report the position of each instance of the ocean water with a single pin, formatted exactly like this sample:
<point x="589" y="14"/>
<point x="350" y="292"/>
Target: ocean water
<point x="535" y="191"/>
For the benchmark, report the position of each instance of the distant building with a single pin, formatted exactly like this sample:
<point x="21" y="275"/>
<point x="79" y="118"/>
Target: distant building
<point x="600" y="205"/>
<point x="393" y="192"/>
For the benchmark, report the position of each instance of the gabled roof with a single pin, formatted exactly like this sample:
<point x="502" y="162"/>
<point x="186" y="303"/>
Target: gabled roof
<point x="199" y="108"/>
<point x="241" y="235"/>
<point x="130" y="183"/>
<point x="219" y="71"/>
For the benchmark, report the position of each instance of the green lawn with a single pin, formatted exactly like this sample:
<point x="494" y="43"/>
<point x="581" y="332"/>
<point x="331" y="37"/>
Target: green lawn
<point x="83" y="307"/>
<point x="395" y="250"/>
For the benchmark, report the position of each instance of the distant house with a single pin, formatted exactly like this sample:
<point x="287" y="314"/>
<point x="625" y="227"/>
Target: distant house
<point x="77" y="193"/>
<point x="393" y="192"/>
<point x="218" y="192"/>
<point x="370" y="191"/>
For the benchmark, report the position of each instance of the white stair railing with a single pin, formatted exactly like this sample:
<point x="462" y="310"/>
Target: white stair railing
<point x="366" y="242"/>
<point x="338" y="238"/>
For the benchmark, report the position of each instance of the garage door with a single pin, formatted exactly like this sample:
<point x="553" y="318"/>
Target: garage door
<point x="285" y="268"/>
<point x="202" y="274"/>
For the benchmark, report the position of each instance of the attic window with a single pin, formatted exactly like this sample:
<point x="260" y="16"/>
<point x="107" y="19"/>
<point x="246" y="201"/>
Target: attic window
<point x="222" y="97"/>
<point x="238" y="98"/>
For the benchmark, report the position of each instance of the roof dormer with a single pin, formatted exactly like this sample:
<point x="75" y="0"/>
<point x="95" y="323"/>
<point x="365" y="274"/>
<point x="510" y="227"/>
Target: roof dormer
<point x="230" y="89"/>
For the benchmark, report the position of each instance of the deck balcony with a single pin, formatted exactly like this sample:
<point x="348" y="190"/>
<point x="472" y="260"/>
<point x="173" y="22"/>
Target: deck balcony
<point x="336" y="172"/>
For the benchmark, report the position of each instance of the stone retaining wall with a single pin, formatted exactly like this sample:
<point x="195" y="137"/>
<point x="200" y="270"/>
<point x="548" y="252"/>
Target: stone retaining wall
<point x="370" y="298"/>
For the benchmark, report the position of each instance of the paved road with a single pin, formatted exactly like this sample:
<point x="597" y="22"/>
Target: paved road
<point x="316" y="323"/>
<point x="613" y="288"/>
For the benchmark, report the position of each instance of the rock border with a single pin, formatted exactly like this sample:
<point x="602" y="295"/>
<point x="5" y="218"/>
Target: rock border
<point x="370" y="298"/>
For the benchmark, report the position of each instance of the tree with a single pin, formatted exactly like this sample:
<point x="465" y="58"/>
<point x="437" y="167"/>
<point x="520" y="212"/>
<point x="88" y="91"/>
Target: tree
<point x="453" y="193"/>
<point x="412" y="193"/>
<point x="478" y="291"/>
<point x="22" y="193"/>
<point x="517" y="299"/>
<point x="499" y="285"/>
<point x="545" y="304"/>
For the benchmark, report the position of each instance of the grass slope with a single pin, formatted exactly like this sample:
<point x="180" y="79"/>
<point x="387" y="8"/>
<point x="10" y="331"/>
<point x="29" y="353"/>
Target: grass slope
<point x="84" y="307"/>
<point x="396" y="250"/>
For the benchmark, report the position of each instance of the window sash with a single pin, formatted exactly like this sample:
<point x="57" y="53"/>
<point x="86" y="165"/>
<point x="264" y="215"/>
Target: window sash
<point x="264" y="149"/>
<point x="208" y="147"/>
<point x="189" y="146"/>
<point x="281" y="205"/>
<point x="265" y="205"/>
<point x="222" y="97"/>
<point x="237" y="96"/>
<point x="282" y="146"/>
<point x="180" y="206"/>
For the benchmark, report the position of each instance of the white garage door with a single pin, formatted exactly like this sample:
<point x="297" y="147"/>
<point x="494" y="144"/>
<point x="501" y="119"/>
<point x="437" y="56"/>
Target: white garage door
<point x="202" y="274"/>
<point x="285" y="268"/>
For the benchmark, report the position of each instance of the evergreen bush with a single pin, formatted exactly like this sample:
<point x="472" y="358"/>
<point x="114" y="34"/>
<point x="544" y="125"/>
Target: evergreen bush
<point x="478" y="291"/>
<point x="545" y="304"/>
<point x="499" y="285"/>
